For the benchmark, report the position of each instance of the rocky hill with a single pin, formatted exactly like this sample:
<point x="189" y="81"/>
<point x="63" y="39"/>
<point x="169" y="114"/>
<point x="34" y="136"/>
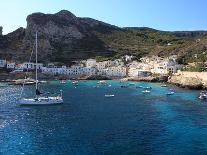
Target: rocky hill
<point x="63" y="37"/>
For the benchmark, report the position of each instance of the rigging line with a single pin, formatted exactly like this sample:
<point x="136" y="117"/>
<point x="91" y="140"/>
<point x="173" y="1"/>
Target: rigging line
<point x="27" y="71"/>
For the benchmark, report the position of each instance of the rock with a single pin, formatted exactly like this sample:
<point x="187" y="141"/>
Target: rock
<point x="62" y="37"/>
<point x="147" y="79"/>
<point x="186" y="82"/>
<point x="97" y="77"/>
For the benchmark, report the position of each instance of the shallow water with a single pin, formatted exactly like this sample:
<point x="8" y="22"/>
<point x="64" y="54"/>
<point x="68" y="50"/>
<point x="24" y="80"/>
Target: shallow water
<point x="88" y="123"/>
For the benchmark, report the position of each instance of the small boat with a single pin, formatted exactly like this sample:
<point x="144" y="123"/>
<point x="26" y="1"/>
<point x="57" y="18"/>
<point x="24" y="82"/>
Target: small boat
<point x="164" y="85"/>
<point x="131" y="84"/>
<point x="62" y="81"/>
<point x="170" y="93"/>
<point x="147" y="87"/>
<point x="203" y="95"/>
<point x="74" y="82"/>
<point x="109" y="95"/>
<point x="124" y="86"/>
<point x="102" y="82"/>
<point x="139" y="86"/>
<point x="146" y="91"/>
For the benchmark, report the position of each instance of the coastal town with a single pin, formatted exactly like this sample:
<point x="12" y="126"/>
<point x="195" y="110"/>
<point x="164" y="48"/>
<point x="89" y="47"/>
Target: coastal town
<point x="118" y="68"/>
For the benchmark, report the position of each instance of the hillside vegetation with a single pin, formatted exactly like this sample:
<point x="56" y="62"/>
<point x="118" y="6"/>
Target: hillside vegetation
<point x="190" y="46"/>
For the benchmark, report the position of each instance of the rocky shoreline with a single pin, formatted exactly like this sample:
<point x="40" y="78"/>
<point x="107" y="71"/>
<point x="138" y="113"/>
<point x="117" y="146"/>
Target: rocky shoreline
<point x="180" y="79"/>
<point x="190" y="81"/>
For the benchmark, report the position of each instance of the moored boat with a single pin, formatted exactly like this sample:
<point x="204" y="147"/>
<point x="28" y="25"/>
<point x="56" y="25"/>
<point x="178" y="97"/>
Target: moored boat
<point x="203" y="95"/>
<point x="40" y="98"/>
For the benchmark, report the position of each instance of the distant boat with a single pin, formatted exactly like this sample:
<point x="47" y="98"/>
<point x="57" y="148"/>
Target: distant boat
<point x="139" y="86"/>
<point x="102" y="82"/>
<point x="122" y="86"/>
<point x="146" y="91"/>
<point x="164" y="85"/>
<point x="170" y="93"/>
<point x="74" y="82"/>
<point x="147" y="87"/>
<point x="62" y="81"/>
<point x="109" y="95"/>
<point x="203" y="95"/>
<point x="131" y="84"/>
<point x="40" y="99"/>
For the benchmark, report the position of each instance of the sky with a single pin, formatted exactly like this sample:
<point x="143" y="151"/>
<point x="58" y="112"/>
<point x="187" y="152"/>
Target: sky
<point x="167" y="15"/>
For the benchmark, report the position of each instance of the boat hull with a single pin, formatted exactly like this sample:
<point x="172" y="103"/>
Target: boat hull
<point x="42" y="101"/>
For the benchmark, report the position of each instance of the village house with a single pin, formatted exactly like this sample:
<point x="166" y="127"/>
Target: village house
<point x="32" y="66"/>
<point x="2" y="63"/>
<point x="116" y="71"/>
<point x="90" y="63"/>
<point x="10" y="65"/>
<point x="138" y="69"/>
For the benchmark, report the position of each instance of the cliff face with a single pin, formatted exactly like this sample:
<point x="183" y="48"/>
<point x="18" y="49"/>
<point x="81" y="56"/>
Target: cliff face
<point x="193" y="80"/>
<point x="62" y="37"/>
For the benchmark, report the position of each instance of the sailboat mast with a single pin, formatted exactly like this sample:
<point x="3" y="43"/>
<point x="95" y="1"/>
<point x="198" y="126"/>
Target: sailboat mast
<point x="36" y="61"/>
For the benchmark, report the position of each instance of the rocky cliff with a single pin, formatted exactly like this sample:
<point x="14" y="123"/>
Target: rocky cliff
<point x="62" y="37"/>
<point x="192" y="80"/>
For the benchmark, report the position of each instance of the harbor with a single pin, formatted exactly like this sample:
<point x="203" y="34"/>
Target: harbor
<point x="96" y="115"/>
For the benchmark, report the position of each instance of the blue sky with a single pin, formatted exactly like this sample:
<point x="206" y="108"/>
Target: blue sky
<point x="159" y="14"/>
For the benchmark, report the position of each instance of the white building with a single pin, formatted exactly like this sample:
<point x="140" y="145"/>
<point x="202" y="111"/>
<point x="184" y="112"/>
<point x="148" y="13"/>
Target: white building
<point x="89" y="71"/>
<point x="137" y="69"/>
<point x="128" y="58"/>
<point x="116" y="72"/>
<point x="10" y="65"/>
<point x="2" y="63"/>
<point x="28" y="65"/>
<point x="165" y="67"/>
<point x="90" y="63"/>
<point x="31" y="65"/>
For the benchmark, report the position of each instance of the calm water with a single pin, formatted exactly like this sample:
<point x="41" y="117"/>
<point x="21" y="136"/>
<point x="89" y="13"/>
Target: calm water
<point x="90" y="124"/>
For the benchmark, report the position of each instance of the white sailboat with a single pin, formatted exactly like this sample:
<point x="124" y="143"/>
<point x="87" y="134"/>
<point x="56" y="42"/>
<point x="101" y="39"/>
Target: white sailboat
<point x="41" y="99"/>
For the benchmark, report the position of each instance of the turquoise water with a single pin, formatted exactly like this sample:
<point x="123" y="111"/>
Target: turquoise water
<point x="88" y="123"/>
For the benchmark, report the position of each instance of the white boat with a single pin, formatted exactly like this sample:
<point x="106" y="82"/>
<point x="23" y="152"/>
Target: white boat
<point x="147" y="87"/>
<point x="102" y="82"/>
<point x="109" y="95"/>
<point x="170" y="93"/>
<point x="74" y="82"/>
<point x="164" y="85"/>
<point x="62" y="81"/>
<point x="203" y="95"/>
<point x="146" y="91"/>
<point x="42" y="100"/>
<point x="39" y="98"/>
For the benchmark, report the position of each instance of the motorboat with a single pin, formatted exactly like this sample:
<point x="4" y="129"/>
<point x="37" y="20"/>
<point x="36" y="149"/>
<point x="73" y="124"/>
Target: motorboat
<point x="146" y="91"/>
<point x="139" y="86"/>
<point x="164" y="85"/>
<point x="123" y="86"/>
<point x="170" y="93"/>
<point x="102" y="82"/>
<point x="109" y="95"/>
<point x="147" y="87"/>
<point x="62" y="81"/>
<point x="203" y="95"/>
<point x="74" y="82"/>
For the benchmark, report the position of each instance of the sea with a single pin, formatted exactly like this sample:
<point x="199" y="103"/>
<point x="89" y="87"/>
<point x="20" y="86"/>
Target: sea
<point x="129" y="122"/>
